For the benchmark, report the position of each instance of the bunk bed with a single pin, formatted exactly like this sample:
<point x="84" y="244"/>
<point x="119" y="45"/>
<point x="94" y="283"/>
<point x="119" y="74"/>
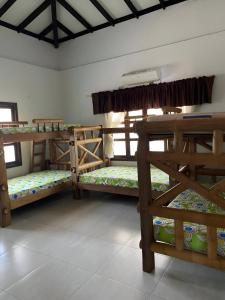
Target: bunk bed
<point x="91" y="171"/>
<point x="44" y="178"/>
<point x="192" y="226"/>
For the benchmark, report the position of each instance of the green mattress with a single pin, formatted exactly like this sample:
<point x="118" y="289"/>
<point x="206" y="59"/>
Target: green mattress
<point x="30" y="129"/>
<point x="125" y="177"/>
<point x="34" y="182"/>
<point x="195" y="235"/>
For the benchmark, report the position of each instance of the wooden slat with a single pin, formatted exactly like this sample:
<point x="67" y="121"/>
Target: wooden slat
<point x="218" y="142"/>
<point x="191" y="256"/>
<point x="109" y="189"/>
<point x="169" y="195"/>
<point x="190" y="183"/>
<point x="188" y="158"/>
<point x="179" y="235"/>
<point x="89" y="141"/>
<point x="212" y="242"/>
<point x="40" y="195"/>
<point x="90" y="165"/>
<point x="89" y="152"/>
<point x="188" y="216"/>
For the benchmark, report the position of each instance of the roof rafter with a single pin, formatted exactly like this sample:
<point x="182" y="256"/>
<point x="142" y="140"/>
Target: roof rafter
<point x="162" y="4"/>
<point x="102" y="10"/>
<point x="64" y="28"/>
<point x="122" y="19"/>
<point x="54" y="23"/>
<point x="33" y="15"/>
<point x="75" y="14"/>
<point x="131" y="6"/>
<point x="24" y="31"/>
<point x="45" y="31"/>
<point x="6" y="6"/>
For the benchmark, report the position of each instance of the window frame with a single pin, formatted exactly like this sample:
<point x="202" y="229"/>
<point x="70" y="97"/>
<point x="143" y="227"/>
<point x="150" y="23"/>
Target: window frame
<point x="127" y="139"/>
<point x="17" y="146"/>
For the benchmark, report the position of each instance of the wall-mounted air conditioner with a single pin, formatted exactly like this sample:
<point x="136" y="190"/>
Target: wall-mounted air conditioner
<point x="140" y="77"/>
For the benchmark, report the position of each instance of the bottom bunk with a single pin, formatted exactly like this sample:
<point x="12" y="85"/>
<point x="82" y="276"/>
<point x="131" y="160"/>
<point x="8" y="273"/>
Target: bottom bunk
<point x="34" y="186"/>
<point x="195" y="235"/>
<point x="121" y="180"/>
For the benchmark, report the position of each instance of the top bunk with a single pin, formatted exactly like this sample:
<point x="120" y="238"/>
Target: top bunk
<point x="40" y="129"/>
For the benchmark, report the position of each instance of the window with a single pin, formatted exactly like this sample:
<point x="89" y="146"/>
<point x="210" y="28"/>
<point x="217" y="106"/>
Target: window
<point x="125" y="144"/>
<point x="9" y="113"/>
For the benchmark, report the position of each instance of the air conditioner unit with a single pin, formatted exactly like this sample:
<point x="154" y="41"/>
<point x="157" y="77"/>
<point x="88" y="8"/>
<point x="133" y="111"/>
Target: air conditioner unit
<point x="141" y="77"/>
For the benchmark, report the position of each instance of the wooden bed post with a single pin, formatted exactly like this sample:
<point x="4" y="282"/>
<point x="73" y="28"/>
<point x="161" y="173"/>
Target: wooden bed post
<point x="74" y="158"/>
<point x="4" y="196"/>
<point x="147" y="230"/>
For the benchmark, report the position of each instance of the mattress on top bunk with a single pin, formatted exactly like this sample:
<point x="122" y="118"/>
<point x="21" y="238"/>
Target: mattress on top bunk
<point x="31" y="129"/>
<point x="35" y="182"/>
<point x="195" y="235"/>
<point x="123" y="176"/>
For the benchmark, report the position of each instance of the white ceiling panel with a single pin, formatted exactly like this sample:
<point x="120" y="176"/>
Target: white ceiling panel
<point x="68" y="20"/>
<point x="117" y="8"/>
<point x="142" y="4"/>
<point x="88" y="11"/>
<point x="2" y="2"/>
<point x="41" y="22"/>
<point x="20" y="10"/>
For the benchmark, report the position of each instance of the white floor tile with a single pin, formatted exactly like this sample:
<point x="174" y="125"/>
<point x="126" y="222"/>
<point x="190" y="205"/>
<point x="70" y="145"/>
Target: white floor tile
<point x="87" y="253"/>
<point x="100" y="288"/>
<point x="183" y="280"/>
<point x="126" y="267"/>
<point x="53" y="281"/>
<point x="6" y="296"/>
<point x="54" y="248"/>
<point x="17" y="263"/>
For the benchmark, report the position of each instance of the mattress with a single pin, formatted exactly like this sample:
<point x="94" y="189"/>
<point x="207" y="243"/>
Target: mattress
<point x="35" y="182"/>
<point x="195" y="235"/>
<point x="31" y="129"/>
<point x="121" y="176"/>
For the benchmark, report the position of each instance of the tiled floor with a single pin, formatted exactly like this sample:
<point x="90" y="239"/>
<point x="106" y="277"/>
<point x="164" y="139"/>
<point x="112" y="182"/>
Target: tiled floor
<point x="62" y="249"/>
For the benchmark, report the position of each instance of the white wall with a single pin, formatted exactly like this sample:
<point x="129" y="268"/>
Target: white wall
<point x="187" y="40"/>
<point x="37" y="92"/>
<point x="27" y="49"/>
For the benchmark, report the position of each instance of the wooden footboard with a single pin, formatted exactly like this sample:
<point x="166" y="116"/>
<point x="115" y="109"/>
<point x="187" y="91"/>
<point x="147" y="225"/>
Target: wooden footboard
<point x="181" y="131"/>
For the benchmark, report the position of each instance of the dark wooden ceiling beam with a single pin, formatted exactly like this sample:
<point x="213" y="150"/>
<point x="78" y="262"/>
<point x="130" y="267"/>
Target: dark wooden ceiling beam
<point x="54" y="24"/>
<point x="65" y="29"/>
<point x="33" y="15"/>
<point x="24" y="31"/>
<point x="45" y="31"/>
<point x="75" y="14"/>
<point x="131" y="6"/>
<point x="122" y="19"/>
<point x="6" y="6"/>
<point x="102" y="10"/>
<point x="162" y="3"/>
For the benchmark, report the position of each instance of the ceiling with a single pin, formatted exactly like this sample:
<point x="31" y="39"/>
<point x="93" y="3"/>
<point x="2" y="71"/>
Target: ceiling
<point x="57" y="21"/>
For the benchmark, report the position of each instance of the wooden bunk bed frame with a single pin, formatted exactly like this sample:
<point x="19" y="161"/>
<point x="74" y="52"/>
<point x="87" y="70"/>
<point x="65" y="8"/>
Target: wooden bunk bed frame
<point x="59" y="158"/>
<point x="88" y="155"/>
<point x="181" y="131"/>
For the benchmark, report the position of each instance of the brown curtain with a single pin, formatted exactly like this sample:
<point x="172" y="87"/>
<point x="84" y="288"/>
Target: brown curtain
<point x="191" y="91"/>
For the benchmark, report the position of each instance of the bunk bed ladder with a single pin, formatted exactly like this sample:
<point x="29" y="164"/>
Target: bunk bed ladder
<point x="38" y="155"/>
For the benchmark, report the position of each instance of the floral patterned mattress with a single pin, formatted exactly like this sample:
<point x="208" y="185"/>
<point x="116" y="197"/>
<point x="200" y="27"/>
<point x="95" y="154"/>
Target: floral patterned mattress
<point x="30" y="129"/>
<point x="125" y="177"/>
<point x="34" y="182"/>
<point x="195" y="235"/>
